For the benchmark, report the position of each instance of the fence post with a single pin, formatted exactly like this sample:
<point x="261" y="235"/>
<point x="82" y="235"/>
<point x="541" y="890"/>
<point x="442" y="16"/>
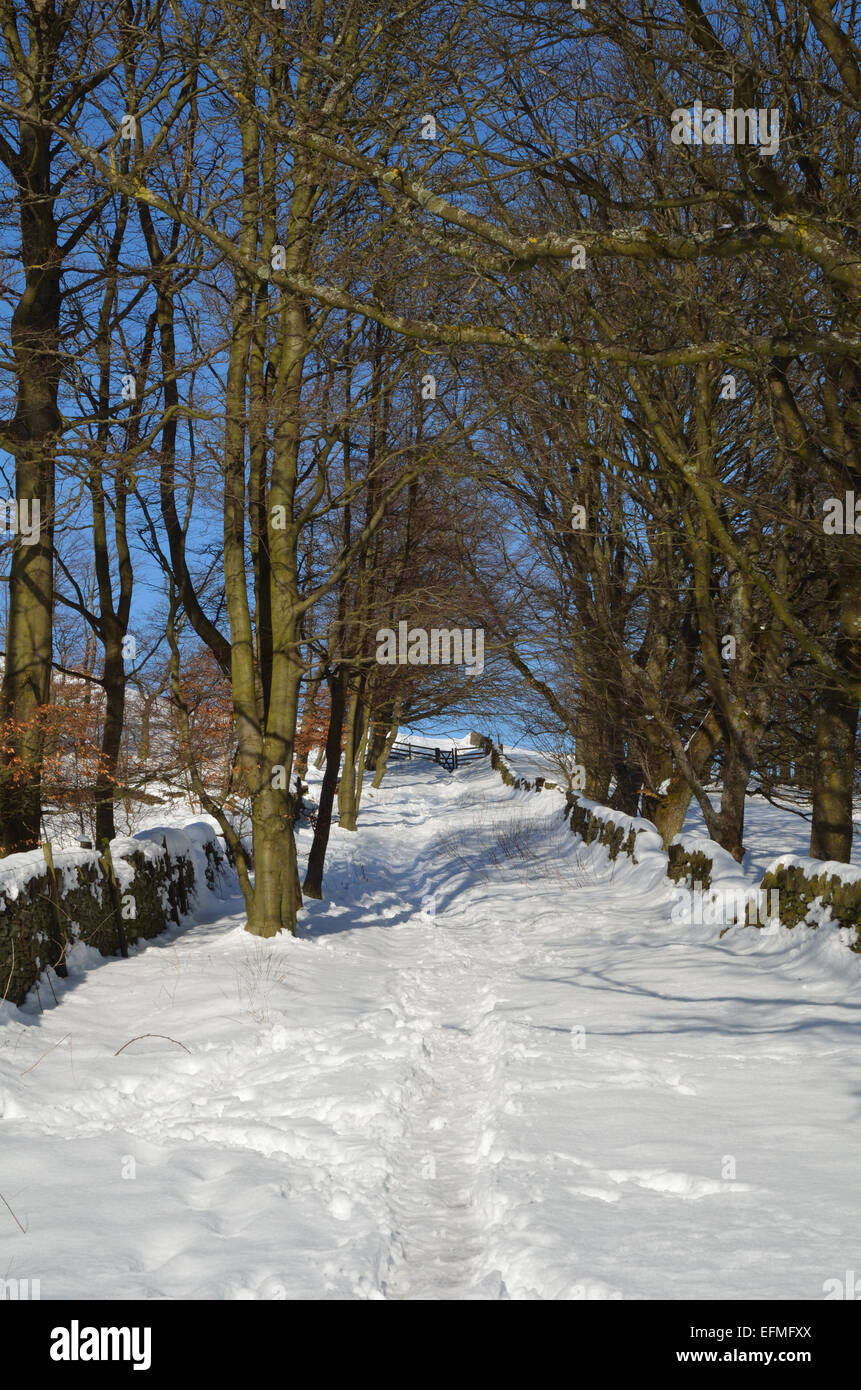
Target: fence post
<point x="57" y="940"/>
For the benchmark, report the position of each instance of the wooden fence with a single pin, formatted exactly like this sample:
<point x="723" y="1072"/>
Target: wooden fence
<point x="449" y="758"/>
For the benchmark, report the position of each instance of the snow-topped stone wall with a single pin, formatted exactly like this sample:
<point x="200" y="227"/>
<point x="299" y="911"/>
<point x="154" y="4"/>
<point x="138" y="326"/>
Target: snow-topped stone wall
<point x="160" y="876"/>
<point x="816" y="891"/>
<point x="793" y="891"/>
<point x="619" y="833"/>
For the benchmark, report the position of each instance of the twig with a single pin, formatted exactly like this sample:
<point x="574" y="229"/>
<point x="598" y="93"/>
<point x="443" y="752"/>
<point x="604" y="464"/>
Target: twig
<point x="11" y="972"/>
<point x="44" y="1054"/>
<point x="21" y="1228"/>
<point x="767" y="796"/>
<point x="151" y="1035"/>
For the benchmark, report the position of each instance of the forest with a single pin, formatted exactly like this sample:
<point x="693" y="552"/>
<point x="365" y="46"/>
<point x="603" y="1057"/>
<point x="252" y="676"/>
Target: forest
<point x="333" y="326"/>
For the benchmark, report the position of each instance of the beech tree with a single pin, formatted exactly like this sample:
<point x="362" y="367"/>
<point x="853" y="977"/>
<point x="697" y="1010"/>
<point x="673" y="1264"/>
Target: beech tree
<point x="55" y="59"/>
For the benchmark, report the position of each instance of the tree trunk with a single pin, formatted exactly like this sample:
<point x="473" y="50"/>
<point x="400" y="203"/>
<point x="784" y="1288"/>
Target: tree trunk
<point x="36" y="347"/>
<point x="313" y="884"/>
<point x="347" y="806"/>
<point x="360" y="756"/>
<point x="834" y="763"/>
<point x="629" y="782"/>
<point x="276" y="897"/>
<point x="377" y="743"/>
<point x="594" y="756"/>
<point x="383" y="758"/>
<point x="114" y="682"/>
<point x="671" y="807"/>
<point x="833" y="778"/>
<point x="728" y="825"/>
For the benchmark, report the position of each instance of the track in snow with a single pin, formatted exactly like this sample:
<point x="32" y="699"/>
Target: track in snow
<point x="442" y="1185"/>
<point x="546" y="1091"/>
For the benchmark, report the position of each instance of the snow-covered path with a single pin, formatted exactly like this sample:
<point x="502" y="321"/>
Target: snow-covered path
<point x="490" y="1067"/>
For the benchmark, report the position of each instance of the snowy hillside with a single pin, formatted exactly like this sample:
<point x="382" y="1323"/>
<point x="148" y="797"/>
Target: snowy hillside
<point x="491" y="1066"/>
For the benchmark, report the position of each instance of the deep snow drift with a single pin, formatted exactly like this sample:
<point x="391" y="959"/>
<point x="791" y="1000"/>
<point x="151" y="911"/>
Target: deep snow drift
<point x="491" y="1066"/>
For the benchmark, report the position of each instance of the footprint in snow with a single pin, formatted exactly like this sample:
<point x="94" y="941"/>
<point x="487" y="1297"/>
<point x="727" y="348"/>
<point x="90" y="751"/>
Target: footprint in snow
<point x="683" y="1185"/>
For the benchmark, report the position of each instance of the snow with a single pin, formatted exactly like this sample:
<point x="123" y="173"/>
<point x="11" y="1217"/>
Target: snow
<point x="814" y="868"/>
<point x="201" y="832"/>
<point x="772" y="830"/>
<point x="491" y="1066"/>
<point x="122" y="848"/>
<point x="17" y="870"/>
<point x="176" y="840"/>
<point x="188" y="840"/>
<point x="723" y="864"/>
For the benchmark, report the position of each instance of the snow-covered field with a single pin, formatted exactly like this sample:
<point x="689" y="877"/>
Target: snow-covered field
<point x="491" y="1066"/>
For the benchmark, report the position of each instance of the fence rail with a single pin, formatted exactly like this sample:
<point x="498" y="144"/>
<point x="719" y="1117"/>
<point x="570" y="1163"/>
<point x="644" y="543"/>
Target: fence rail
<point x="449" y="758"/>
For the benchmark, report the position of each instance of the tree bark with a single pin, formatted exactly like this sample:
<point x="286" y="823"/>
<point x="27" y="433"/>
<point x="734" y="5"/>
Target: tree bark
<point x="833" y="778"/>
<point x="728" y="825"/>
<point x="347" y="804"/>
<point x="672" y="806"/>
<point x="313" y="883"/>
<point x="276" y="899"/>
<point x="114" y="682"/>
<point x="35" y="336"/>
<point x="383" y="758"/>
